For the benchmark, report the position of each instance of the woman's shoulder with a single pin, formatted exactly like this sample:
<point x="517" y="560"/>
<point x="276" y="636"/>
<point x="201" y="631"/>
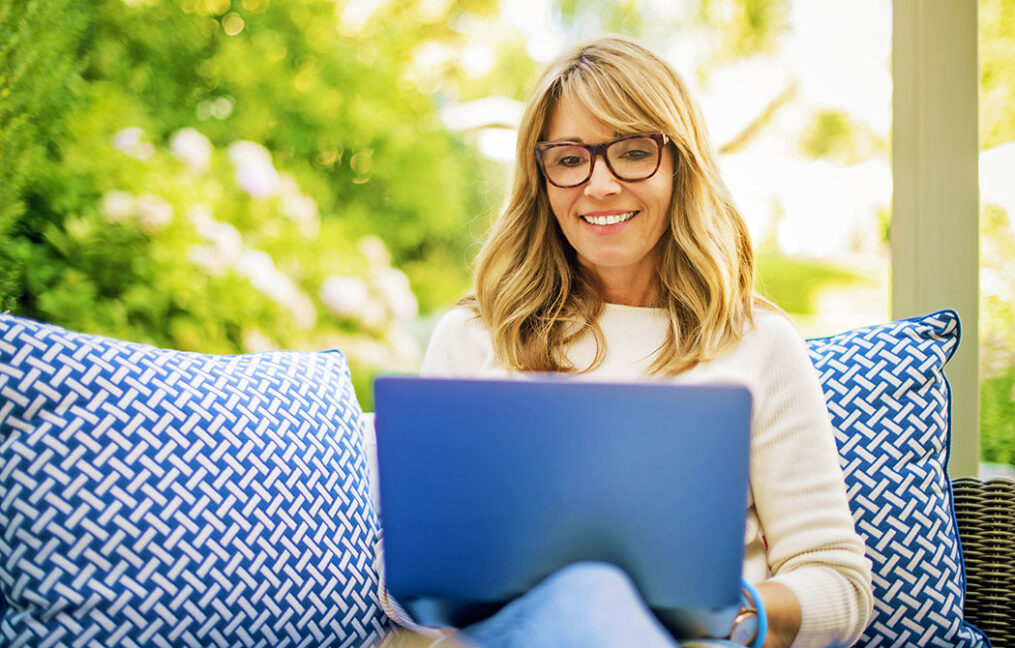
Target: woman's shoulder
<point x="772" y="327"/>
<point x="460" y="319"/>
<point x="775" y="345"/>
<point x="460" y="344"/>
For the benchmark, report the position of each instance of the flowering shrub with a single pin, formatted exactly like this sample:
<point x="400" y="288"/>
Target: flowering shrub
<point x="229" y="177"/>
<point x="220" y="251"/>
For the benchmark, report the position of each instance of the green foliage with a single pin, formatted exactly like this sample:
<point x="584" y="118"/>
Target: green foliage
<point x="39" y="62"/>
<point x="214" y="175"/>
<point x="997" y="241"/>
<point x="997" y="336"/>
<point x="180" y="248"/>
<point x="831" y="132"/>
<point x="335" y="110"/>
<point x="795" y="284"/>
<point x="744" y="27"/>
<point x="997" y="72"/>
<point x="734" y="29"/>
<point x="608" y="17"/>
<point x="884" y="221"/>
<point x="997" y="418"/>
<point x="834" y="134"/>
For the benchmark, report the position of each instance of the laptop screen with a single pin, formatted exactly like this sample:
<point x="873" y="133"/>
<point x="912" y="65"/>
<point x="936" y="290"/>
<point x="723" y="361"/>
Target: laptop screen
<point x="489" y="486"/>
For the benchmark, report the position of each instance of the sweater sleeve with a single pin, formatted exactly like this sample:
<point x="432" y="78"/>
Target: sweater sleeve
<point x="800" y="496"/>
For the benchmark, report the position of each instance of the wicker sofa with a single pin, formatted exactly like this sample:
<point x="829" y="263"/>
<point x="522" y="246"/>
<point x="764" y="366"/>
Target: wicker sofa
<point x="985" y="512"/>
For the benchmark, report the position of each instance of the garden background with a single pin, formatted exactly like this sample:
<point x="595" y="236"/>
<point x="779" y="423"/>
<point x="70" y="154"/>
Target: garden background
<point x="228" y="176"/>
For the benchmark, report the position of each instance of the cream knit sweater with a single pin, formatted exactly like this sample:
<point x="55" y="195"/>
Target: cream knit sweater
<point x="797" y="502"/>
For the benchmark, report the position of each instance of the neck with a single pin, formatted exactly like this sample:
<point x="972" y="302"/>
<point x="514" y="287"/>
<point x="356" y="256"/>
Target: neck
<point x="635" y="285"/>
<point x="630" y="293"/>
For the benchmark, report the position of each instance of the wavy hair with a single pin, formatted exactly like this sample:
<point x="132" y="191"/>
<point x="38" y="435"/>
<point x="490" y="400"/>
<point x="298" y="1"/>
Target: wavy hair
<point x="532" y="293"/>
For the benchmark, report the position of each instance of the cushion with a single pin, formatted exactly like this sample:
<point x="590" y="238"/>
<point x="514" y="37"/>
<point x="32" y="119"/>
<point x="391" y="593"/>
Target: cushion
<point x="890" y="404"/>
<point x="151" y="497"/>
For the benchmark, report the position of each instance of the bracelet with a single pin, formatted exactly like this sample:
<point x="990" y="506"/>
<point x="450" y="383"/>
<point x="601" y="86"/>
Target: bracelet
<point x="759" y="608"/>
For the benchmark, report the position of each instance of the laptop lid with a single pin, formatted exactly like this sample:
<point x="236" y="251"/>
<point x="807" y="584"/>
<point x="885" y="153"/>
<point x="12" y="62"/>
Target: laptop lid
<point x="489" y="486"/>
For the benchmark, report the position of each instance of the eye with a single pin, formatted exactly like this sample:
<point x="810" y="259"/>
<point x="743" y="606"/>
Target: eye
<point x="634" y="150"/>
<point x="566" y="157"/>
<point x="637" y="154"/>
<point x="569" y="161"/>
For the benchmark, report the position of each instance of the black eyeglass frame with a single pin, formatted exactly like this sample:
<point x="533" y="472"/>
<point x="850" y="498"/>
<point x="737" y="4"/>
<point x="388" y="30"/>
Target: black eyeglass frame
<point x="599" y="150"/>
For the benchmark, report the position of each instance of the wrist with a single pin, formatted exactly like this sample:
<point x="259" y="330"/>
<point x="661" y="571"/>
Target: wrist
<point x="750" y="625"/>
<point x="745" y="627"/>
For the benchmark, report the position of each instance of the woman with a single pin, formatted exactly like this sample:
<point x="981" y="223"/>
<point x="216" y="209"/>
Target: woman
<point x="620" y="256"/>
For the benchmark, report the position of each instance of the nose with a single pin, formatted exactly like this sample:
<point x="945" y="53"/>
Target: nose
<point x="602" y="182"/>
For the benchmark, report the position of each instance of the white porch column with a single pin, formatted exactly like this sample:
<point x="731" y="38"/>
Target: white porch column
<point x="935" y="206"/>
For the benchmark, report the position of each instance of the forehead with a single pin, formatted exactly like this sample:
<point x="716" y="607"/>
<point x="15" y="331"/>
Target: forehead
<point x="569" y="120"/>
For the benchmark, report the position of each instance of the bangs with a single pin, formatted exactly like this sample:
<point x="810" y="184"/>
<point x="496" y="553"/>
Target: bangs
<point x="607" y="99"/>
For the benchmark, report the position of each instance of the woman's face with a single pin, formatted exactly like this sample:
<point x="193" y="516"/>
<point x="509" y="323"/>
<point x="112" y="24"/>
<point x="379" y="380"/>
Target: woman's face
<point x="613" y="225"/>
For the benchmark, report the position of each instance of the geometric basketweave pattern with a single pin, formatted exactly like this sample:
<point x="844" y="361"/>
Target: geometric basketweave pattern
<point x="151" y="497"/>
<point x="890" y="404"/>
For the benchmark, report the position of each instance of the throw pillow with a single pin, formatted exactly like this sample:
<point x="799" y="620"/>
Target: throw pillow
<point x="890" y="404"/>
<point x="151" y="497"/>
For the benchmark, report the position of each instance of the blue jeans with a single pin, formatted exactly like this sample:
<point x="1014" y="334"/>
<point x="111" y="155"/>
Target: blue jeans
<point x="591" y="605"/>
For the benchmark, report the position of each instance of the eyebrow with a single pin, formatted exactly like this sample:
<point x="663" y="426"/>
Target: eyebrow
<point x="578" y="140"/>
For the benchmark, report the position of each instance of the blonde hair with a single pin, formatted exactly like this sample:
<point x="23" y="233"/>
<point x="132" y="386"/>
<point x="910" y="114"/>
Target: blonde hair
<point x="532" y="293"/>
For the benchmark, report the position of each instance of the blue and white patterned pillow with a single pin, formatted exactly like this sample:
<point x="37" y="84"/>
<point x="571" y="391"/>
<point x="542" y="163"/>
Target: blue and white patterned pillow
<point x="890" y="403"/>
<point x="151" y="497"/>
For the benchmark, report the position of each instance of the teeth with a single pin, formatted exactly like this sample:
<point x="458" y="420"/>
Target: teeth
<point x="613" y="219"/>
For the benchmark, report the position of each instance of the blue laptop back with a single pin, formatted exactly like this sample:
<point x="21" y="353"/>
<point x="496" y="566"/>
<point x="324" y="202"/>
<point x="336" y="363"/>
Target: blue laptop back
<point x="488" y="486"/>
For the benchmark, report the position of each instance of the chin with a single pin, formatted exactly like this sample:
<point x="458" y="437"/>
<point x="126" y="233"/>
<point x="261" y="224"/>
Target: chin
<point x="607" y="263"/>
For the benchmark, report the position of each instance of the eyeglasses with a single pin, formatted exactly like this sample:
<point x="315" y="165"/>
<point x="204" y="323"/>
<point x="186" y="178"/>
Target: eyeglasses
<point x="632" y="158"/>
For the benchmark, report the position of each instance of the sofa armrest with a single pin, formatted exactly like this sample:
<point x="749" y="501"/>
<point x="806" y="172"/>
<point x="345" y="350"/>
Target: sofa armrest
<point x="985" y="512"/>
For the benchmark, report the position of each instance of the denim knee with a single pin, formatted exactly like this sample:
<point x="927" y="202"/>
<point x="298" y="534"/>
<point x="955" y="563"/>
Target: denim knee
<point x="587" y="605"/>
<point x="601" y="578"/>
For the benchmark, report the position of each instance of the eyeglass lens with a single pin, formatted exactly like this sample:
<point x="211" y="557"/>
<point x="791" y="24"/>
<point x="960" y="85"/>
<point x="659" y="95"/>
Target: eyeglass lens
<point x="631" y="158"/>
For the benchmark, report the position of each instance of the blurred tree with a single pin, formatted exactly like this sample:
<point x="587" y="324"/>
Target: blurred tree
<point x="208" y="174"/>
<point x="327" y="95"/>
<point x="743" y="27"/>
<point x="736" y="29"/>
<point x="627" y="17"/>
<point x="40" y="58"/>
<point x="324" y="91"/>
<point x="835" y="134"/>
<point x="997" y="336"/>
<point x="997" y="72"/>
<point x="997" y="241"/>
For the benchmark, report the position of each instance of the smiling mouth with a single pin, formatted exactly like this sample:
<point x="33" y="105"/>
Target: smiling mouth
<point x="612" y="219"/>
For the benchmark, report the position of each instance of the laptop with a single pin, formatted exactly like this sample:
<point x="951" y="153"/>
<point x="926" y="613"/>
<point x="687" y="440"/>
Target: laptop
<point x="489" y="486"/>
